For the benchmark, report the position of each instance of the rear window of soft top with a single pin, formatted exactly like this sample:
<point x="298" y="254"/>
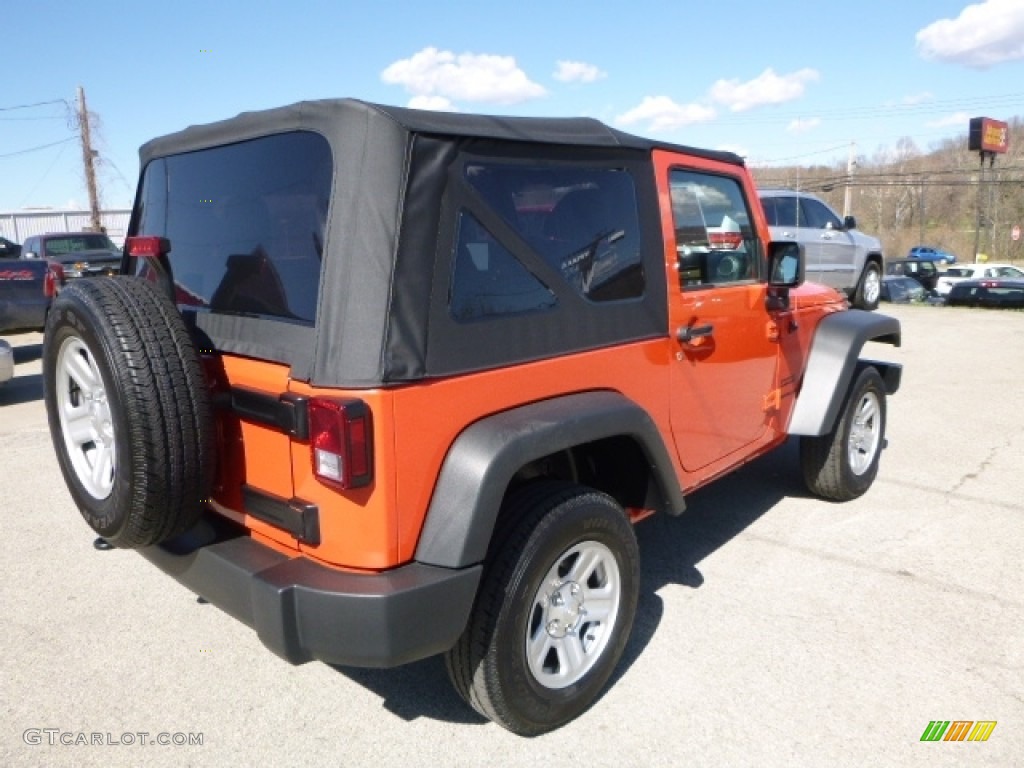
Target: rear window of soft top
<point x="246" y="224"/>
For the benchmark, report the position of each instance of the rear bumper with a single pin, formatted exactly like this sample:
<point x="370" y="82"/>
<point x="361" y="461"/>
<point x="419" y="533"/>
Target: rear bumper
<point x="303" y="611"/>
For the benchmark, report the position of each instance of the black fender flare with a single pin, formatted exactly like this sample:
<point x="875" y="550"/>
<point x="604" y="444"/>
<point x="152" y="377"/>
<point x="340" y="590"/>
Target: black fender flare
<point x="486" y="455"/>
<point x="832" y="362"/>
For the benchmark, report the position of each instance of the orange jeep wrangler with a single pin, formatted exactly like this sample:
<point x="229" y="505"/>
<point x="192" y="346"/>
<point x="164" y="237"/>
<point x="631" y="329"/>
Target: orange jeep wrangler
<point x="384" y="384"/>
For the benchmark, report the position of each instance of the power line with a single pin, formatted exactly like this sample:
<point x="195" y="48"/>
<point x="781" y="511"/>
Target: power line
<point x="46" y="173"/>
<point x="41" y="146"/>
<point x="30" y="106"/>
<point x="49" y="117"/>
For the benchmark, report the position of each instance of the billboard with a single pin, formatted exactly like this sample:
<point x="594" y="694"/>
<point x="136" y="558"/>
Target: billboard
<point x="988" y="135"/>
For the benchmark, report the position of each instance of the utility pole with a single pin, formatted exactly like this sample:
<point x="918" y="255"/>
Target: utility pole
<point x="920" y="209"/>
<point x="850" y="165"/>
<point x="88" y="156"/>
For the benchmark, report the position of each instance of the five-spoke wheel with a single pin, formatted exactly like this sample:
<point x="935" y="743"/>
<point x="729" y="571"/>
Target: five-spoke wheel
<point x="86" y="424"/>
<point x="554" y="610"/>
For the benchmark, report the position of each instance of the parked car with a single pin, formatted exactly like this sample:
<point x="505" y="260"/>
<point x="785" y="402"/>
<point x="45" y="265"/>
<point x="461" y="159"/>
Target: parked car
<point x="902" y="290"/>
<point x="838" y="255"/>
<point x="925" y="253"/>
<point x="449" y="370"/>
<point x="9" y="249"/>
<point x="1003" y="293"/>
<point x="924" y="272"/>
<point x="957" y="274"/>
<point x="81" y="254"/>
<point x="6" y="362"/>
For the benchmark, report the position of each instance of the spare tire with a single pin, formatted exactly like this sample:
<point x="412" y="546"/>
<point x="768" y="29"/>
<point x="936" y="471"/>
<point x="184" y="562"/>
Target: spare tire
<point x="128" y="409"/>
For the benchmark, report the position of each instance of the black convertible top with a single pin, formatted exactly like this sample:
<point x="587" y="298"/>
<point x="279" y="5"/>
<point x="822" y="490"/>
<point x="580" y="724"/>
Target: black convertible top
<point x="388" y="235"/>
<point x="334" y="118"/>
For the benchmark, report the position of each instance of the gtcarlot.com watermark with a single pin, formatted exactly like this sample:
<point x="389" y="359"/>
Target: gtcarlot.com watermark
<point x="57" y="737"/>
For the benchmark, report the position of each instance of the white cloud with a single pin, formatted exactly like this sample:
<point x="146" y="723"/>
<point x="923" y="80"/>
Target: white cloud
<point x="662" y="114"/>
<point x="434" y="103"/>
<point x="465" y="76"/>
<point x="766" y="88"/>
<point x="982" y="36"/>
<point x="577" y="72"/>
<point x="800" y="125"/>
<point x="960" y="119"/>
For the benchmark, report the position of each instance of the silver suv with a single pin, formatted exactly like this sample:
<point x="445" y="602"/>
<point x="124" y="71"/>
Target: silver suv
<point x="837" y="254"/>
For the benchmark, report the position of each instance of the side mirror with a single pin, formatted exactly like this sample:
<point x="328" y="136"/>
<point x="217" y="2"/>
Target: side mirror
<point x="785" y="264"/>
<point x="849" y="223"/>
<point x="785" y="271"/>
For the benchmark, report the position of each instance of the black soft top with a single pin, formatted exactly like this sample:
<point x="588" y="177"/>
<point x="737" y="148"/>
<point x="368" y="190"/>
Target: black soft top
<point x="335" y="119"/>
<point x="386" y="235"/>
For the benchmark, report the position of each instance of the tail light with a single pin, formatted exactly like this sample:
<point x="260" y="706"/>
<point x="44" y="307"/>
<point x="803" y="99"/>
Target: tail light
<point x="341" y="442"/>
<point x="148" y="247"/>
<point x="53" y="279"/>
<point x="725" y="241"/>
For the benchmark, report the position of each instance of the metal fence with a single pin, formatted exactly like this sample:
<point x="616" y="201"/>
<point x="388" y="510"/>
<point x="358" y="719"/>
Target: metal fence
<point x="17" y="225"/>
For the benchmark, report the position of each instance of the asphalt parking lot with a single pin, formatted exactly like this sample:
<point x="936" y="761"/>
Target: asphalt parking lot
<point x="774" y="629"/>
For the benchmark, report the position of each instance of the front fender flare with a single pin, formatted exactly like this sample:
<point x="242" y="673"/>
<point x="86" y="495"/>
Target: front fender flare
<point x="487" y="454"/>
<point x="832" y="362"/>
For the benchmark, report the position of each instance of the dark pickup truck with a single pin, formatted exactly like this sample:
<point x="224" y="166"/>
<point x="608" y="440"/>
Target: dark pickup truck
<point x="26" y="290"/>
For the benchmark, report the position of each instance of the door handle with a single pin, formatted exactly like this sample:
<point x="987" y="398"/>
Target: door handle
<point x="688" y="333"/>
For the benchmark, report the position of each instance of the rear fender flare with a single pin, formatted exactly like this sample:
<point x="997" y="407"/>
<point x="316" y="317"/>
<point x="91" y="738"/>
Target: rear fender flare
<point x="484" y="458"/>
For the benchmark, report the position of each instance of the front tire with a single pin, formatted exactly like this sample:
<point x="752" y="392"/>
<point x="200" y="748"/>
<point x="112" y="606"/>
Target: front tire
<point x="554" y="610"/>
<point x="842" y="464"/>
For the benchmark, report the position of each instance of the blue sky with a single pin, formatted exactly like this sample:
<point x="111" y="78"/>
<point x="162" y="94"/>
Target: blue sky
<point x="777" y="82"/>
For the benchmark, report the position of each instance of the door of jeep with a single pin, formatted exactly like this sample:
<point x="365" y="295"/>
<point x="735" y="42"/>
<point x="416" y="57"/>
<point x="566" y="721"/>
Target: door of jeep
<point x="725" y="359"/>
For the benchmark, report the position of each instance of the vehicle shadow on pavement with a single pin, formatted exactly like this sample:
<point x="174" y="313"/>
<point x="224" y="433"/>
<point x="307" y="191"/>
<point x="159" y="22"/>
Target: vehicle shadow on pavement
<point x="670" y="549"/>
<point x="28" y="353"/>
<point x="420" y="689"/>
<point x="22" y="389"/>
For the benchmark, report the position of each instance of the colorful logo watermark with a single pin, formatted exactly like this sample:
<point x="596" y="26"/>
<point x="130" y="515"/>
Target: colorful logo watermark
<point x="958" y="730"/>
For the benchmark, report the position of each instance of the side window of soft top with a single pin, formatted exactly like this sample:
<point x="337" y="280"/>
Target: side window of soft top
<point x="581" y="221"/>
<point x="488" y="280"/>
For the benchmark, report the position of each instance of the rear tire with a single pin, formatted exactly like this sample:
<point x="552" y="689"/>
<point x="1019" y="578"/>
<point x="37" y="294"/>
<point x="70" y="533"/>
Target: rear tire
<point x="554" y="610"/>
<point x="128" y="410"/>
<point x="842" y="464"/>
